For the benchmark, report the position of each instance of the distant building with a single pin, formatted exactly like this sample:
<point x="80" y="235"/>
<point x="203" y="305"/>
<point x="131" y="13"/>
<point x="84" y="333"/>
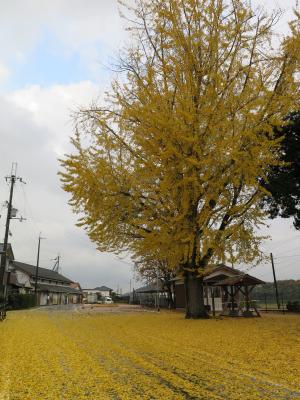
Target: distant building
<point x="96" y="294"/>
<point x="52" y="287"/>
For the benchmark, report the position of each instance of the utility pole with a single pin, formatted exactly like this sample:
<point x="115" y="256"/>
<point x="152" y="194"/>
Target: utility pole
<point x="3" y="279"/>
<point x="275" y="282"/>
<point x="37" y="266"/>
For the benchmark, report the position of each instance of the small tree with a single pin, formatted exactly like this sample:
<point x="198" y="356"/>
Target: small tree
<point x="178" y="150"/>
<point x="151" y="268"/>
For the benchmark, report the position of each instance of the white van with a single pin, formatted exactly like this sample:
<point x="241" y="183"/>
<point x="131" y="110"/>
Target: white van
<point x="107" y="300"/>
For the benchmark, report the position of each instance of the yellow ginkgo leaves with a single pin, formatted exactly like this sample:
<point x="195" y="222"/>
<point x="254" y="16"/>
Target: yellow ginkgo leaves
<point x="148" y="356"/>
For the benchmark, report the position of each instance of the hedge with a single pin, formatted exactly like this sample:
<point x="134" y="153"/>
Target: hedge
<point x="19" y="301"/>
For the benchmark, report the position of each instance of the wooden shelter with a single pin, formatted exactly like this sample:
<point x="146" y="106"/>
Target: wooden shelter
<point x="218" y="296"/>
<point x="236" y="287"/>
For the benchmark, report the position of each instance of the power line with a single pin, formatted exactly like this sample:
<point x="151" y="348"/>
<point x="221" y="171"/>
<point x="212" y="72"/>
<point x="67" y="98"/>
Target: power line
<point x="292" y="255"/>
<point x="280" y="241"/>
<point x="283" y="253"/>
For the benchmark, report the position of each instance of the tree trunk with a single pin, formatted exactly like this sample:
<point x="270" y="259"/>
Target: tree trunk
<point x="194" y="298"/>
<point x="171" y="303"/>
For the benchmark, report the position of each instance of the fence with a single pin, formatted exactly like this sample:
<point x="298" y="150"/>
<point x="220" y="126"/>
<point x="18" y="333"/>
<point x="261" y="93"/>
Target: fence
<point x="268" y="302"/>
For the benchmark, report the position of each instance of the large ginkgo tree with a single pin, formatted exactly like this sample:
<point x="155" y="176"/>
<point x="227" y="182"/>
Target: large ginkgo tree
<point x="171" y="162"/>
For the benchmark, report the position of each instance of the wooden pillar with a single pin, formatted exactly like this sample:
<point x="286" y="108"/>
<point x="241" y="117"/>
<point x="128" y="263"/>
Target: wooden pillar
<point x="213" y="301"/>
<point x="232" y="299"/>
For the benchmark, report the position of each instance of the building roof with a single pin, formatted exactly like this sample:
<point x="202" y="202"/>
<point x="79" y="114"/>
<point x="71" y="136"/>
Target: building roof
<point x="43" y="273"/>
<point x="9" y="250"/>
<point x="102" y="288"/>
<point x="223" y="267"/>
<point x="213" y="272"/>
<point x="41" y="287"/>
<point x="242" y="279"/>
<point x="216" y="278"/>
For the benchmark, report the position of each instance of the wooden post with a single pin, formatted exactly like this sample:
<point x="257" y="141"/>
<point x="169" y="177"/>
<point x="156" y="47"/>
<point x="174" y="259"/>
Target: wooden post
<point x="213" y="302"/>
<point x="232" y="299"/>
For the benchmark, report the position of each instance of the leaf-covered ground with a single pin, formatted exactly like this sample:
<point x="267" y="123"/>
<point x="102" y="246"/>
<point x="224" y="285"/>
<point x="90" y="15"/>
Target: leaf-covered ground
<point x="57" y="355"/>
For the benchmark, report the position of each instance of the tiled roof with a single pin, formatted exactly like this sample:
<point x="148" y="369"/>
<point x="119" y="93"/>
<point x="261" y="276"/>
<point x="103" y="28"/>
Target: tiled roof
<point x="43" y="273"/>
<point x="103" y="289"/>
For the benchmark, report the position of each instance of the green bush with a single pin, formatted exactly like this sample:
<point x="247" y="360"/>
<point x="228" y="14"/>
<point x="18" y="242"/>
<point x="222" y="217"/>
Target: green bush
<point x="293" y="306"/>
<point x="19" y="301"/>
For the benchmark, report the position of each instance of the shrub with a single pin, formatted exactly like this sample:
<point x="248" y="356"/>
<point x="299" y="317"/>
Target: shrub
<point x="19" y="301"/>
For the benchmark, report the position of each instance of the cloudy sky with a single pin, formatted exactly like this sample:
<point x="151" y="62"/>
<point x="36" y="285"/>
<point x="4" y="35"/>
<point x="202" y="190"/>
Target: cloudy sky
<point x="54" y="58"/>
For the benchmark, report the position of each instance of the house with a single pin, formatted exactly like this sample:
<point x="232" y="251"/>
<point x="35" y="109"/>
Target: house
<point x="96" y="294"/>
<point x="52" y="287"/>
<point x="216" y="284"/>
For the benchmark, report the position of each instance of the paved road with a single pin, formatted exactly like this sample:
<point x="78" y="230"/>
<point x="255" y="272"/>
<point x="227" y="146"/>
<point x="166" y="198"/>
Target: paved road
<point x="93" y="308"/>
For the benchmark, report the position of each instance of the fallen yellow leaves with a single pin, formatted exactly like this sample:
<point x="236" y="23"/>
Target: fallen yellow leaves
<point x="148" y="356"/>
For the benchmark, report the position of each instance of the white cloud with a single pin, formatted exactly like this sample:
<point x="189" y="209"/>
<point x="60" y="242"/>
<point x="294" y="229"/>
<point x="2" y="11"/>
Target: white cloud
<point x="78" y="27"/>
<point x="51" y="108"/>
<point x="4" y="72"/>
<point x="35" y="127"/>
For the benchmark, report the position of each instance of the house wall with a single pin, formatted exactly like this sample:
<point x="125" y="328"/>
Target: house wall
<point x="105" y="293"/>
<point x="43" y="299"/>
<point x="92" y="298"/>
<point x="23" y="278"/>
<point x="180" y="298"/>
<point x="92" y="295"/>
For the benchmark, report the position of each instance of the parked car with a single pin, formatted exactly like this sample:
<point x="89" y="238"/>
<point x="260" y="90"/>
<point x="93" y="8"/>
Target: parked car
<point x="107" y="300"/>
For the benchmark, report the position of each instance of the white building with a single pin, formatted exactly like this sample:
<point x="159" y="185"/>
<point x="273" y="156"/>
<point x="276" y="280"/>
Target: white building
<point x="97" y="294"/>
